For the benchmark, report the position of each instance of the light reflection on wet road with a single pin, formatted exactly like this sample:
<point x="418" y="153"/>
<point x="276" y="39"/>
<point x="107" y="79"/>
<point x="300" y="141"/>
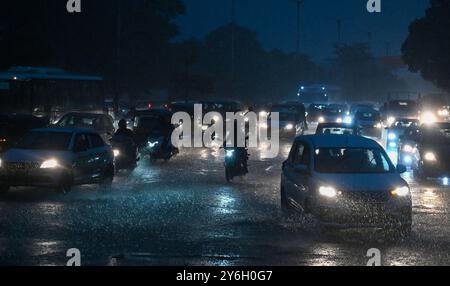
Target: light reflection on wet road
<point x="184" y="213"/>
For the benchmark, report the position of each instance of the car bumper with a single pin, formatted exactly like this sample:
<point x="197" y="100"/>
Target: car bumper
<point x="33" y="178"/>
<point x="370" y="215"/>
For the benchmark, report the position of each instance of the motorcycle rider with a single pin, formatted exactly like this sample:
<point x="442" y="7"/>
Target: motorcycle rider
<point x="241" y="152"/>
<point x="125" y="136"/>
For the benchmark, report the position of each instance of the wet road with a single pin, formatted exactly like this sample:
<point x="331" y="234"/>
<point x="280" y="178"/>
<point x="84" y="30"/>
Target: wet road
<point x="184" y="213"/>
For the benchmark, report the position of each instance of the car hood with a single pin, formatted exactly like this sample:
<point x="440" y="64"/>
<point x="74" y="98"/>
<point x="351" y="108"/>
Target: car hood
<point x="21" y="155"/>
<point x="360" y="182"/>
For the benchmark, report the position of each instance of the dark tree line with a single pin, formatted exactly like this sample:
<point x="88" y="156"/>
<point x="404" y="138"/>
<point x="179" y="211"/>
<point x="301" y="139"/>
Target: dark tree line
<point x="427" y="48"/>
<point x="128" y="39"/>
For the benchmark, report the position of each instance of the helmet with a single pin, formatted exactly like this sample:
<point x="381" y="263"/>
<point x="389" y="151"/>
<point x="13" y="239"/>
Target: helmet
<point x="123" y="124"/>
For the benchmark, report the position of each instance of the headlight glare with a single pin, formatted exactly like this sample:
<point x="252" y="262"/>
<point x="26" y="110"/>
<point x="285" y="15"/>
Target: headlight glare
<point x="328" y="192"/>
<point x="50" y="164"/>
<point x="401" y="192"/>
<point x="430" y="156"/>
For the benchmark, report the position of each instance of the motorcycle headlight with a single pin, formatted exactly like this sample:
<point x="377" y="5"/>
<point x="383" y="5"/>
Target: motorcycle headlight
<point x="321" y="120"/>
<point x="430" y="156"/>
<point x="116" y="153"/>
<point x="401" y="192"/>
<point x="428" y="118"/>
<point x="391" y="120"/>
<point x="289" y="127"/>
<point x="408" y="149"/>
<point x="328" y="192"/>
<point x="50" y="164"/>
<point x="153" y="144"/>
<point x="229" y="153"/>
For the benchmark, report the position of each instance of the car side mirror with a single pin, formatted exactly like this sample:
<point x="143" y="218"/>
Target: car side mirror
<point x="301" y="169"/>
<point x="401" y="169"/>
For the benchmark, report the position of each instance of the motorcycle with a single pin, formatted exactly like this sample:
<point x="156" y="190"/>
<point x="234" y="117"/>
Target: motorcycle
<point x="125" y="153"/>
<point x="158" y="148"/>
<point x="236" y="163"/>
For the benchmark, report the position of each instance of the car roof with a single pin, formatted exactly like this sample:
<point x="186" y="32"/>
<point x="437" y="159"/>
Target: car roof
<point x="65" y="130"/>
<point x="331" y="141"/>
<point x="335" y="124"/>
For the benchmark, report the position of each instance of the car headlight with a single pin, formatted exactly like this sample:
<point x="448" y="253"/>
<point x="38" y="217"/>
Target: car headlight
<point x="392" y="136"/>
<point x="378" y="126"/>
<point x="348" y="120"/>
<point x="391" y="120"/>
<point x="153" y="144"/>
<point x="408" y="149"/>
<point x="289" y="127"/>
<point x="339" y="120"/>
<point x="428" y="118"/>
<point x="328" y="192"/>
<point x="443" y="112"/>
<point x="50" y="164"/>
<point x="321" y="120"/>
<point x="430" y="156"/>
<point x="401" y="192"/>
<point x="116" y="153"/>
<point x="229" y="153"/>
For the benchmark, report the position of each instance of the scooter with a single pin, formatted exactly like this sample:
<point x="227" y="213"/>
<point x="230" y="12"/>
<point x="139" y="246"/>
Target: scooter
<point x="125" y="153"/>
<point x="158" y="148"/>
<point x="236" y="163"/>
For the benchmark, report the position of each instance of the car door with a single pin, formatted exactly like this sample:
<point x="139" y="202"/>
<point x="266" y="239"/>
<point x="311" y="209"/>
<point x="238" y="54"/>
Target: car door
<point x="99" y="154"/>
<point x="83" y="165"/>
<point x="297" y="171"/>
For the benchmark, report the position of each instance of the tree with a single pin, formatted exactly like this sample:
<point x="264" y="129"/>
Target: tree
<point x="360" y="75"/>
<point x="132" y="45"/>
<point x="427" y="48"/>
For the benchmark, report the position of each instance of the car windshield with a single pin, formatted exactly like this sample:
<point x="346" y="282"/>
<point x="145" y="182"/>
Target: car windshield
<point x="78" y="121"/>
<point x="368" y="115"/>
<point x="291" y="117"/>
<point x="36" y="140"/>
<point x="352" y="161"/>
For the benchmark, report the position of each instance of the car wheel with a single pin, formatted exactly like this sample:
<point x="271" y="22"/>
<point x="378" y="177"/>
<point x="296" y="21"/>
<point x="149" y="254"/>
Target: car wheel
<point x="108" y="177"/>
<point x="65" y="186"/>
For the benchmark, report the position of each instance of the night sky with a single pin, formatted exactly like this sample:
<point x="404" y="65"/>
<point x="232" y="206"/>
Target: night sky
<point x="275" y="22"/>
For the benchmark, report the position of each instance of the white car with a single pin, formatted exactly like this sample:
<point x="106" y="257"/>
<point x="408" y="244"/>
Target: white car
<point x="346" y="181"/>
<point x="57" y="158"/>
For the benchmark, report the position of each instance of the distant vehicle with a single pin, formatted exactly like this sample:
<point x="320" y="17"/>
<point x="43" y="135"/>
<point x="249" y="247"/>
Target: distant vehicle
<point x="146" y="122"/>
<point x="338" y="129"/>
<point x="315" y="111"/>
<point x="57" y="158"/>
<point x="14" y="126"/>
<point x="295" y="106"/>
<point x="397" y="131"/>
<point x="100" y="123"/>
<point x="159" y="147"/>
<point x="290" y="123"/>
<point x="369" y="120"/>
<point x="399" y="109"/>
<point x="125" y="153"/>
<point x="427" y="150"/>
<point x="346" y="182"/>
<point x="333" y="113"/>
<point x="317" y="93"/>
<point x="236" y="160"/>
<point x="357" y="106"/>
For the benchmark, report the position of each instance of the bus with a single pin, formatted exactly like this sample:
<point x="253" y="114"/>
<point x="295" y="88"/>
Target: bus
<point x="49" y="92"/>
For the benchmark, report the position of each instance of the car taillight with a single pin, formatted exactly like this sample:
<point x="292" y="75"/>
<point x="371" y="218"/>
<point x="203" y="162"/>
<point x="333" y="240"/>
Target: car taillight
<point x="3" y="140"/>
<point x="150" y="106"/>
